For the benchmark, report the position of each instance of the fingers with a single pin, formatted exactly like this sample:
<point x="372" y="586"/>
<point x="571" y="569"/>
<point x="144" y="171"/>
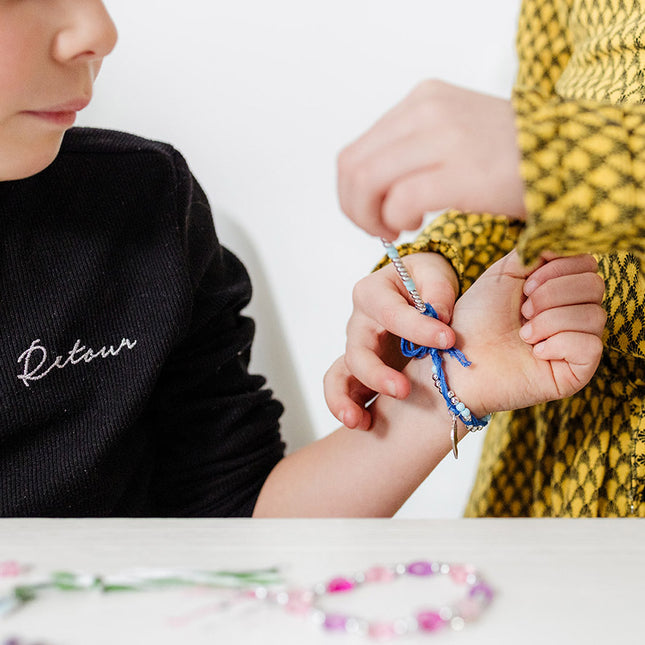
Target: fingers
<point x="565" y="320"/>
<point x="565" y="290"/>
<point x="395" y="145"/>
<point x="382" y="315"/>
<point x="427" y="189"/>
<point x="368" y="368"/>
<point x="401" y="183"/>
<point x="432" y="151"/>
<point x="346" y="397"/>
<point x="559" y="267"/>
<point x="385" y="304"/>
<point x="585" y="318"/>
<point x="574" y="357"/>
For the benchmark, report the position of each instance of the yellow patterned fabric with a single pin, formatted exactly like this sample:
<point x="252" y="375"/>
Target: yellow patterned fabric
<point x="581" y="129"/>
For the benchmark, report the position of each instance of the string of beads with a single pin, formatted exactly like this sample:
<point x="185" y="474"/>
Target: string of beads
<point x="425" y="620"/>
<point x="267" y="585"/>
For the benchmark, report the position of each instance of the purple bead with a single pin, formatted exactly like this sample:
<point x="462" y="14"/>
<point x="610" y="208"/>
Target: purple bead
<point x="338" y="585"/>
<point x="481" y="589"/>
<point x="420" y="569"/>
<point x="430" y="621"/>
<point x="335" y="622"/>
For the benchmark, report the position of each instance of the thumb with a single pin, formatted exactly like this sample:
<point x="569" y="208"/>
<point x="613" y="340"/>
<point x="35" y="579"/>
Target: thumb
<point x="512" y="266"/>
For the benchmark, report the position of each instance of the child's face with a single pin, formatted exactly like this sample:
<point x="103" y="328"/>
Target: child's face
<point x="50" y="54"/>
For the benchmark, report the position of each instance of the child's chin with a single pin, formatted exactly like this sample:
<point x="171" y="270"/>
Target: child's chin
<point x="31" y="164"/>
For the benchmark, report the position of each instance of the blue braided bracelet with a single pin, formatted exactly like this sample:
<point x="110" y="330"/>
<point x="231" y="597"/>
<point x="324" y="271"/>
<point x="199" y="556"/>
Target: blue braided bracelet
<point x="457" y="409"/>
<point x="455" y="406"/>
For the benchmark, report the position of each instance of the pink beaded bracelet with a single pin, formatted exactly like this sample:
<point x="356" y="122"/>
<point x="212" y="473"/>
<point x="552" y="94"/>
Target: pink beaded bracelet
<point x="262" y="584"/>
<point x="426" y="620"/>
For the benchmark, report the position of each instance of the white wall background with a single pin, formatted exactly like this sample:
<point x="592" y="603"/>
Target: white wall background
<point x="260" y="97"/>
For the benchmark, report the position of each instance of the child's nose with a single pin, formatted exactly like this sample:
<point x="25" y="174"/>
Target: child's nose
<point x="89" y="33"/>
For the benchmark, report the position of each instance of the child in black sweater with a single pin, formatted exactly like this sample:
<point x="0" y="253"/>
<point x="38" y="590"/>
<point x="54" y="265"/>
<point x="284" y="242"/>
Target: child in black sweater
<point x="123" y="364"/>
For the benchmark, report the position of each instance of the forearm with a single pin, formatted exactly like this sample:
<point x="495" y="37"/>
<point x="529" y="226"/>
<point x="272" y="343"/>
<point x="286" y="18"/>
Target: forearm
<point x="352" y="473"/>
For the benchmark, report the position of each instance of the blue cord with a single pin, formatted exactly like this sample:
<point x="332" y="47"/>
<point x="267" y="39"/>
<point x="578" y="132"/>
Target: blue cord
<point x="455" y="406"/>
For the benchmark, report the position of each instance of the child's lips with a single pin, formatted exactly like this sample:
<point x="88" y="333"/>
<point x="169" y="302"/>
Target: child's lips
<point x="63" y="114"/>
<point x="57" y="118"/>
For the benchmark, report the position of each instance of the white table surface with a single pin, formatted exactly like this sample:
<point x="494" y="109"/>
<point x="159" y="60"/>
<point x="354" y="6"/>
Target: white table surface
<point x="557" y="581"/>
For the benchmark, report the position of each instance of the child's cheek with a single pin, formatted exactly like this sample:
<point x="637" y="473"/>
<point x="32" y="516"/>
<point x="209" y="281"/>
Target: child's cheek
<point x="13" y="64"/>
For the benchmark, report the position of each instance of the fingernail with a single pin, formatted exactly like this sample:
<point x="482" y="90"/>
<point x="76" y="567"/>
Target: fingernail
<point x="539" y="348"/>
<point x="530" y="286"/>
<point x="527" y="309"/>
<point x="442" y="340"/>
<point x="526" y="331"/>
<point x="390" y="388"/>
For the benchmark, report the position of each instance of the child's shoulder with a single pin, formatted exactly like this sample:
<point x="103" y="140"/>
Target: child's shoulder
<point x="93" y="152"/>
<point x="98" y="141"/>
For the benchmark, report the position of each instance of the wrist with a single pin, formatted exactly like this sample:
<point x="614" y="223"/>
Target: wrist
<point x="466" y="383"/>
<point x="450" y="425"/>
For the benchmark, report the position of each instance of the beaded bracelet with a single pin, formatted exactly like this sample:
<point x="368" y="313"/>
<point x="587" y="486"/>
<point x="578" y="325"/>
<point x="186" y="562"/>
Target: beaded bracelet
<point x="425" y="620"/>
<point x="267" y="585"/>
<point x="457" y="409"/>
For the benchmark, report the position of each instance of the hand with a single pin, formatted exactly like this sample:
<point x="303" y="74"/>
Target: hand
<point x="382" y="315"/>
<point x="529" y="340"/>
<point x="441" y="147"/>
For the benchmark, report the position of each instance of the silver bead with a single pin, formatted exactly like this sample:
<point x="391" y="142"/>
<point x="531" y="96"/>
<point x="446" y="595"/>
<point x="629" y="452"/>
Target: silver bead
<point x="413" y="624"/>
<point x="318" y="617"/>
<point x="457" y="623"/>
<point x="320" y="589"/>
<point x="401" y="626"/>
<point x="357" y="626"/>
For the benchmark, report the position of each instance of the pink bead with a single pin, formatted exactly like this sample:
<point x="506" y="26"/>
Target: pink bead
<point x="9" y="569"/>
<point x="430" y="621"/>
<point x="379" y="574"/>
<point x="299" y="601"/>
<point x="460" y="573"/>
<point x="469" y="608"/>
<point x="338" y="585"/>
<point x="381" y="631"/>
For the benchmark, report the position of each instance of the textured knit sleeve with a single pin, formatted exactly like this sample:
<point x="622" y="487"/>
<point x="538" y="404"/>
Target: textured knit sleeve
<point x="580" y="129"/>
<point x="216" y="426"/>
<point x="471" y="242"/>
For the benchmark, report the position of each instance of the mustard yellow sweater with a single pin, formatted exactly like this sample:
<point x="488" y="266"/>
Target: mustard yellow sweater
<point x="581" y="128"/>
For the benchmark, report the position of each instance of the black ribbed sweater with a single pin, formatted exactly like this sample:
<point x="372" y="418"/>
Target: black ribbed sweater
<point x="124" y="387"/>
